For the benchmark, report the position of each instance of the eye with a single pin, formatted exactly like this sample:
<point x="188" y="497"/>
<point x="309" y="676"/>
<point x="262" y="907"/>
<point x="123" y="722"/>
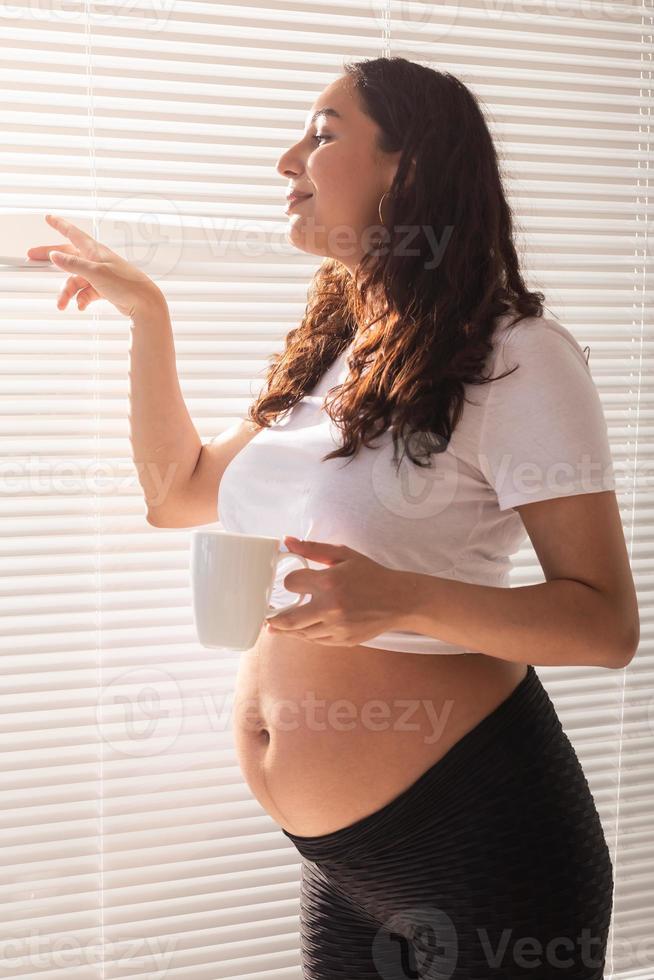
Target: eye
<point x="321" y="137"/>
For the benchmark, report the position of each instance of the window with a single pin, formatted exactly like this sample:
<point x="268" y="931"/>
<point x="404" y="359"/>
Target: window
<point x="130" y="841"/>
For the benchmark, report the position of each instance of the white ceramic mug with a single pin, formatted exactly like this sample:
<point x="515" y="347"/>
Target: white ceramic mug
<point x="232" y="576"/>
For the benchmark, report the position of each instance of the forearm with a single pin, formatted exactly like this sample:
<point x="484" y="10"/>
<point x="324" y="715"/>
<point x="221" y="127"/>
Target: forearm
<point x="165" y="442"/>
<point x="559" y="622"/>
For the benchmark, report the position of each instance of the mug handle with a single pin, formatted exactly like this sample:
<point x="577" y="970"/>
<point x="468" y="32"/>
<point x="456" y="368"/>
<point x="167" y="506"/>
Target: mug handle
<point x="273" y="610"/>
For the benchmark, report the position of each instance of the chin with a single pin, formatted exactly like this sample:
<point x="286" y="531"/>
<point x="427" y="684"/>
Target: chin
<point x="302" y="242"/>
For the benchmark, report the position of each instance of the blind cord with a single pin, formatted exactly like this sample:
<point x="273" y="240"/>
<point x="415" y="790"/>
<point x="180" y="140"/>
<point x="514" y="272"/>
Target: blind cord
<point x="96" y="442"/>
<point x="642" y="185"/>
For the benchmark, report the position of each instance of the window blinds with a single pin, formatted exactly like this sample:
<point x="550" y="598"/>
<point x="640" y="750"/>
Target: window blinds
<point x="130" y="843"/>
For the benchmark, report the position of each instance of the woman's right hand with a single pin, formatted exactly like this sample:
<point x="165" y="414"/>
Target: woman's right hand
<point x="95" y="271"/>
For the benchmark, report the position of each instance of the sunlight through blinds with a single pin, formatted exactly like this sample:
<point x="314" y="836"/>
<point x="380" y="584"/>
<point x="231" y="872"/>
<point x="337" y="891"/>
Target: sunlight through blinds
<point x="131" y="845"/>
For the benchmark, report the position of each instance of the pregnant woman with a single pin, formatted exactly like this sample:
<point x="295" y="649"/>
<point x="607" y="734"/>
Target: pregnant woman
<point x="423" y="418"/>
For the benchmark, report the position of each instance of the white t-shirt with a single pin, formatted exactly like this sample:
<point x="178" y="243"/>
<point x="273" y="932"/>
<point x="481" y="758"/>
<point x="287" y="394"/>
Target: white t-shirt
<point x="536" y="434"/>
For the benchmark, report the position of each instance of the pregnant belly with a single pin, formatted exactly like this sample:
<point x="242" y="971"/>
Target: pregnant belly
<point x="326" y="735"/>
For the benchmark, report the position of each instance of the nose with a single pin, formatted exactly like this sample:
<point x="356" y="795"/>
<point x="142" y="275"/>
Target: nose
<point x="289" y="164"/>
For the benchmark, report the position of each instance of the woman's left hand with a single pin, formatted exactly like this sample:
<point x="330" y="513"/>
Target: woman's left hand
<point x="353" y="600"/>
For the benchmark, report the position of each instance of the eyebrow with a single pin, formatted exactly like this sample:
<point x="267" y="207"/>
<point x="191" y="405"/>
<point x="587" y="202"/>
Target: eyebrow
<point x="327" y="111"/>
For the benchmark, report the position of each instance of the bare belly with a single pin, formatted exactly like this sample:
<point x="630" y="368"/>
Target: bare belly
<point x="326" y="735"/>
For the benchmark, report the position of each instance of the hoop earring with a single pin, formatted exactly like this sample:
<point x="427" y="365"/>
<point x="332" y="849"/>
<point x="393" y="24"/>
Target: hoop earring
<point x="379" y="209"/>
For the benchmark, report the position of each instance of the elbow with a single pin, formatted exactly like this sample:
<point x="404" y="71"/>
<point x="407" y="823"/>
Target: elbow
<point x="624" y="651"/>
<point x="154" y="521"/>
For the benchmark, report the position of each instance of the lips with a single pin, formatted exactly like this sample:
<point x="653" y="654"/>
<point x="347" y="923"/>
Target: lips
<point x="294" y="200"/>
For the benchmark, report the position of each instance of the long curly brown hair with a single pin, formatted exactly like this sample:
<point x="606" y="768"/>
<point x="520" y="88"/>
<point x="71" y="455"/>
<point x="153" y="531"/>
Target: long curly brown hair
<point x="433" y="333"/>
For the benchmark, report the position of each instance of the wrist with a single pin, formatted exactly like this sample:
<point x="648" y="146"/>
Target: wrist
<point x="151" y="304"/>
<point x="412" y="594"/>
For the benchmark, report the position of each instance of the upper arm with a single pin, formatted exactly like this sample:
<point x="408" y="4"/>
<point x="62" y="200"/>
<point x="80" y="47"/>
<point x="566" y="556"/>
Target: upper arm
<point x="581" y="537"/>
<point x="197" y="502"/>
<point x="544" y="448"/>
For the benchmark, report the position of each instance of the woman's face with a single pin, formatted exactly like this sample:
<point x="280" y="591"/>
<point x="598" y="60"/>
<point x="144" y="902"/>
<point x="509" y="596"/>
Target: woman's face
<point x="337" y="162"/>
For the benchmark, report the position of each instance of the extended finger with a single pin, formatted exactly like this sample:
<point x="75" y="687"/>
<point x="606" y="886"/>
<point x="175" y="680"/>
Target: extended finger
<point x="70" y="287"/>
<point x="42" y="252"/>
<point x="87" y="245"/>
<point x="322" y="551"/>
<point x="74" y="263"/>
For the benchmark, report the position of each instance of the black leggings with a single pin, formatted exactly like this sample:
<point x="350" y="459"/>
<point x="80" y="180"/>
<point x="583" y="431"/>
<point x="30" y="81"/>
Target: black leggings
<point x="492" y="864"/>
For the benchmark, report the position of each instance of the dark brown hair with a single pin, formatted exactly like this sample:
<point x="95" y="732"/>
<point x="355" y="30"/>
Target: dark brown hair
<point x="433" y="334"/>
